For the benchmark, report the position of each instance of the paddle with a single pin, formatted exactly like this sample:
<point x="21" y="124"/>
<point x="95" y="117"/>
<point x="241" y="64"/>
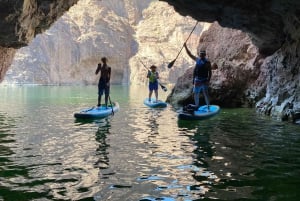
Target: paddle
<point x="112" y="109"/>
<point x="162" y="86"/>
<point x="172" y="62"/>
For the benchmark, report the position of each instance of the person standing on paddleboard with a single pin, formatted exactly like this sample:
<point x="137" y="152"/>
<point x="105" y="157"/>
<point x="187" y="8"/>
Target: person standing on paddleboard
<point x="153" y="83"/>
<point x="104" y="81"/>
<point x="201" y="76"/>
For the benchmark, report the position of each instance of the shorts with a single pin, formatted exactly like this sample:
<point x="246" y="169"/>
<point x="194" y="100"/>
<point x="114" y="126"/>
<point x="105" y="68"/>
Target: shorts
<point x="198" y="89"/>
<point x="103" y="88"/>
<point x="153" y="86"/>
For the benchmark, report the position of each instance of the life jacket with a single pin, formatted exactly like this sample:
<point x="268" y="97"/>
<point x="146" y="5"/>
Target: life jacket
<point x="201" y="70"/>
<point x="152" y="77"/>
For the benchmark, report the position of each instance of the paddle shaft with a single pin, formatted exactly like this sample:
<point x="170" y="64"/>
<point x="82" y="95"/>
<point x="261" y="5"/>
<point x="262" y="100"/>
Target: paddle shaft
<point x="172" y="62"/>
<point x="112" y="110"/>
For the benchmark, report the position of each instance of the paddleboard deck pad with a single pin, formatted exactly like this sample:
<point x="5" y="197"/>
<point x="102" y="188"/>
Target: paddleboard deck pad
<point x="200" y="114"/>
<point x="97" y="112"/>
<point x="155" y="104"/>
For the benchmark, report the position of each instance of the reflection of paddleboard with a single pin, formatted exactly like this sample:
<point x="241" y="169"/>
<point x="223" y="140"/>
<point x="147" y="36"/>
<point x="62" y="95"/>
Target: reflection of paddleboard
<point x="97" y="112"/>
<point x="201" y="113"/>
<point x="155" y="104"/>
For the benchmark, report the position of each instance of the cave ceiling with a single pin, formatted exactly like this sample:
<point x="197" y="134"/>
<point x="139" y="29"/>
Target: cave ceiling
<point x="267" y="22"/>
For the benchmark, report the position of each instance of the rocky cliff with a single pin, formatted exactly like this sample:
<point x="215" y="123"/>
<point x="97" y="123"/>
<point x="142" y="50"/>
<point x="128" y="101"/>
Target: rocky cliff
<point x="239" y="66"/>
<point x="274" y="28"/>
<point x="69" y="51"/>
<point x="20" y="21"/>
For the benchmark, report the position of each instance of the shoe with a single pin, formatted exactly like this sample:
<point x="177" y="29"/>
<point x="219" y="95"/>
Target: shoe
<point x="98" y="105"/>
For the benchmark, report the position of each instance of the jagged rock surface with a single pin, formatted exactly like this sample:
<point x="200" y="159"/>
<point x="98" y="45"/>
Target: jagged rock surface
<point x="20" y="21"/>
<point x="274" y="27"/>
<point x="160" y="36"/>
<point x="238" y="62"/>
<point x="269" y="23"/>
<point x="68" y="53"/>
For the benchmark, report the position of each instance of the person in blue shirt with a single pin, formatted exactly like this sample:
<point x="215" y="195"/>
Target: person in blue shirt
<point x="201" y="76"/>
<point x="153" y="82"/>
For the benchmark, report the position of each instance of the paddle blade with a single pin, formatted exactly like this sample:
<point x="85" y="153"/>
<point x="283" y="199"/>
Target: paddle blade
<point x="171" y="63"/>
<point x="163" y="88"/>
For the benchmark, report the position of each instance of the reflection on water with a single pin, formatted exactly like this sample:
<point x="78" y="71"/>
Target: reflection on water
<point x="139" y="153"/>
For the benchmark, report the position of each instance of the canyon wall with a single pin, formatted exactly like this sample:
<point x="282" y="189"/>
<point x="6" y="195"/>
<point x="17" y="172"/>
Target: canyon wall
<point x="70" y="50"/>
<point x="20" y="21"/>
<point x="274" y="28"/>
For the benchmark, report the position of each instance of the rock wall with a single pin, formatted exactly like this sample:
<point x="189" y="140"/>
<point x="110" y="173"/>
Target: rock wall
<point x="6" y="56"/>
<point x="69" y="51"/>
<point x="269" y="23"/>
<point x="274" y="28"/>
<point x="20" y="21"/>
<point x="160" y="36"/>
<point x="238" y="67"/>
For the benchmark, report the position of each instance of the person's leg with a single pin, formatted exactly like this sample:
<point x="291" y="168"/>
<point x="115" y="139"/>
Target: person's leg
<point x="206" y="97"/>
<point x="156" y="94"/>
<point x="151" y="88"/>
<point x="150" y="94"/>
<point x="99" y="95"/>
<point x="196" y="98"/>
<point x="196" y="92"/>
<point x="106" y="100"/>
<point x="106" y="95"/>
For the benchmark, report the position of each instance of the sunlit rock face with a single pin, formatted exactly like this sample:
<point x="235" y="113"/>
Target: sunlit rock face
<point x="273" y="27"/>
<point x="20" y="21"/>
<point x="68" y="53"/>
<point x="239" y="66"/>
<point x="160" y="37"/>
<point x="6" y="56"/>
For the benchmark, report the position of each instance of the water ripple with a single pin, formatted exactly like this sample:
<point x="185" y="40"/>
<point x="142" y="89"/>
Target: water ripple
<point x="140" y="153"/>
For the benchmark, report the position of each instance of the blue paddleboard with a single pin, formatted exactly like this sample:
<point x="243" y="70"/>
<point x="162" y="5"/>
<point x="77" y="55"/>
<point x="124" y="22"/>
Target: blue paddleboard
<point x="200" y="114"/>
<point x="155" y="104"/>
<point x="97" y="112"/>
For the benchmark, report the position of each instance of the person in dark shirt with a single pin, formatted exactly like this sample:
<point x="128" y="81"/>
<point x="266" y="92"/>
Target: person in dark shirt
<point x="201" y="76"/>
<point x="104" y="81"/>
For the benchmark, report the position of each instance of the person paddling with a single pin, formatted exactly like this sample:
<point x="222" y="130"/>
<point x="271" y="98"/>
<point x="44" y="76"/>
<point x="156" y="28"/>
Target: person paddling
<point x="201" y="76"/>
<point x="104" y="81"/>
<point x="153" y="83"/>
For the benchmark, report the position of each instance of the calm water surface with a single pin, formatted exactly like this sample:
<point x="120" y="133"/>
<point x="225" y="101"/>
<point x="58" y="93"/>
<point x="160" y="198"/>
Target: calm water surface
<point x="140" y="154"/>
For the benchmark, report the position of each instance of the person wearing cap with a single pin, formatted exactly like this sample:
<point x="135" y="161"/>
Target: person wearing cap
<point x="153" y="83"/>
<point x="104" y="81"/>
<point x="201" y="76"/>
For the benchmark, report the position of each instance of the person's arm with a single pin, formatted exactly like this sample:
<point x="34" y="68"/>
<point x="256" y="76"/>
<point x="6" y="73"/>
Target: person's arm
<point x="148" y="74"/>
<point x="194" y="74"/>
<point x="209" y="71"/>
<point x="98" y="69"/>
<point x="108" y="74"/>
<point x="189" y="53"/>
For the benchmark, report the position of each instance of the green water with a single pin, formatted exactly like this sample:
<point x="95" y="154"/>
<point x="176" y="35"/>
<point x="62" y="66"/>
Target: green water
<point x="139" y="154"/>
